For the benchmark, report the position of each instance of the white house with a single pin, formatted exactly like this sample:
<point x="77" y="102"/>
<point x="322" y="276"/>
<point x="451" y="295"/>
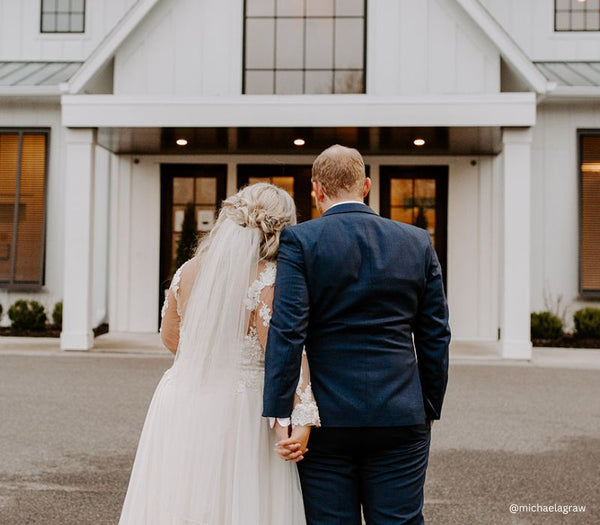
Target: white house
<point x="478" y="119"/>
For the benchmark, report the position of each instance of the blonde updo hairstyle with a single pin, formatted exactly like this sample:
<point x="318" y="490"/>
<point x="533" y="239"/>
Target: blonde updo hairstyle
<point x="263" y="206"/>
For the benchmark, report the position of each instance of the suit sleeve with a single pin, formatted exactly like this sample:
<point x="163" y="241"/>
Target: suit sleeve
<point x="287" y="333"/>
<point x="432" y="337"/>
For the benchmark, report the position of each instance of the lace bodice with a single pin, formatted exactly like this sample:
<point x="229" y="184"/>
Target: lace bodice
<point x="259" y="304"/>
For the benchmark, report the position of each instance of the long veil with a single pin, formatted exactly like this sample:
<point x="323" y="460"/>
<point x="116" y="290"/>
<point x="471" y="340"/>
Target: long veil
<point x="215" y="320"/>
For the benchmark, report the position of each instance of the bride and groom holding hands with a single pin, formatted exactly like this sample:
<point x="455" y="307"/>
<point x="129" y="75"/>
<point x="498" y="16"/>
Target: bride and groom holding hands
<point x="334" y="330"/>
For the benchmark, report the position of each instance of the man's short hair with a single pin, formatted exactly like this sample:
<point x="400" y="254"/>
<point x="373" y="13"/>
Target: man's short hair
<point x="339" y="170"/>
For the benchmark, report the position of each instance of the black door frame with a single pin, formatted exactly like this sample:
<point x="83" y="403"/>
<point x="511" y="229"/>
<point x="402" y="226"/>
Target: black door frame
<point x="168" y="172"/>
<point x="440" y="174"/>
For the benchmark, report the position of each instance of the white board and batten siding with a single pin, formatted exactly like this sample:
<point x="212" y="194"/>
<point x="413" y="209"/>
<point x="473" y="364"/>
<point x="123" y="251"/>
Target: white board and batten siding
<point x="555" y="205"/>
<point x="414" y="47"/>
<point x="531" y="24"/>
<point x="21" y="39"/>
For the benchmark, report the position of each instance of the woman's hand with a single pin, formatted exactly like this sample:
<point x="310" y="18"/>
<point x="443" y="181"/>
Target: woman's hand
<point x="294" y="447"/>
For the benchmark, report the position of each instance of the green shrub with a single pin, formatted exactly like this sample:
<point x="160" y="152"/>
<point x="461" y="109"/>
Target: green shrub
<point x="587" y="323"/>
<point x="27" y="315"/>
<point x="57" y="315"/>
<point x="546" y="325"/>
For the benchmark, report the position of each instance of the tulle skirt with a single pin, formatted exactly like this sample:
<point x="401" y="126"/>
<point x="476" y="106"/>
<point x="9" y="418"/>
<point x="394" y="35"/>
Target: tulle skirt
<point x="206" y="457"/>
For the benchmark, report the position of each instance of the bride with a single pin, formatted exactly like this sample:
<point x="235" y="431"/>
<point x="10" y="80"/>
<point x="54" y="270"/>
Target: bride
<point x="205" y="456"/>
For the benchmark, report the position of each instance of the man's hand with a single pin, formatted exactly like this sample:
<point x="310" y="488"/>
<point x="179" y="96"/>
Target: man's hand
<point x="294" y="447"/>
<point x="282" y="433"/>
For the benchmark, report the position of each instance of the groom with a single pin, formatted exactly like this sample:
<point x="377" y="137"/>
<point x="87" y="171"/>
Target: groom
<point x="356" y="290"/>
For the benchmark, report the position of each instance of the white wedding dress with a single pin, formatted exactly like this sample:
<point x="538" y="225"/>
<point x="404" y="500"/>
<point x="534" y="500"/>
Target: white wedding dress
<point x="205" y="455"/>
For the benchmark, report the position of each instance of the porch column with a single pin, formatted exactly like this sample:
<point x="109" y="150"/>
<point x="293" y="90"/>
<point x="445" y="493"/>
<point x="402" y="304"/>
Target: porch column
<point x="77" y="331"/>
<point x="515" y="339"/>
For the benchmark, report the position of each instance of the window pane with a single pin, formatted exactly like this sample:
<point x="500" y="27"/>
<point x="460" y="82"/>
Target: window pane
<point x="183" y="190"/>
<point x="62" y="23"/>
<point x="592" y="21"/>
<point x="402" y="215"/>
<point x="259" y="43"/>
<point x="593" y="4"/>
<point x="288" y="82"/>
<point x="590" y="213"/>
<point x="259" y="82"/>
<point x="9" y="144"/>
<point x="290" y="36"/>
<point x="563" y="4"/>
<point x="349" y="82"/>
<point x="49" y="23"/>
<point x="349" y="43"/>
<point x="290" y="7"/>
<point x="63" y="6"/>
<point x="349" y="7"/>
<point x="319" y="7"/>
<point x="563" y="21"/>
<point x="206" y="190"/>
<point x="319" y="43"/>
<point x="77" y="22"/>
<point x="260" y="7"/>
<point x="49" y="5"/>
<point x="576" y="5"/>
<point x="30" y="236"/>
<point x="577" y="21"/>
<point x="318" y="82"/>
<point x="77" y="6"/>
<point x="401" y="191"/>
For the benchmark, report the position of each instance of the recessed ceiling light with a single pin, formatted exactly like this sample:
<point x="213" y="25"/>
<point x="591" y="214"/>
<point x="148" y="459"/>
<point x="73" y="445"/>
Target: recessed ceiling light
<point x="181" y="142"/>
<point x="299" y="142"/>
<point x="419" y="142"/>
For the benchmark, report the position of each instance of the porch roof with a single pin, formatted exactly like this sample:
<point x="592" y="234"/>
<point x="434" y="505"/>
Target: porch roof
<point x="489" y="110"/>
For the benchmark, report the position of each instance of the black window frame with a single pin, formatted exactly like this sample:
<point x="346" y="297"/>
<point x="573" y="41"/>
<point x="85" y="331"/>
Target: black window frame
<point x="584" y="294"/>
<point x="56" y="12"/>
<point x="304" y="69"/>
<point x="11" y="285"/>
<point x="585" y="10"/>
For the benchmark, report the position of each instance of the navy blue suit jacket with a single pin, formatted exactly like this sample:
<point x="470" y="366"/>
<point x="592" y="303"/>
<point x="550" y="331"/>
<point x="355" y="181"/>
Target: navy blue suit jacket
<point x="354" y="288"/>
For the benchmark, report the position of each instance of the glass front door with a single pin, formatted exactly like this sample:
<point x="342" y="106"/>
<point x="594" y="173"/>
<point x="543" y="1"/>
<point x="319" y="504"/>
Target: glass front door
<point x="186" y="187"/>
<point x="418" y="195"/>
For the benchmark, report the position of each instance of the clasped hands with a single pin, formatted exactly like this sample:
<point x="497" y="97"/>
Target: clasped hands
<point x="292" y="446"/>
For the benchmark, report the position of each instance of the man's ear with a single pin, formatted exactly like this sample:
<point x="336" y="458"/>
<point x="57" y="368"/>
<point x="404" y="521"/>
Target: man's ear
<point x="318" y="191"/>
<point x="367" y="187"/>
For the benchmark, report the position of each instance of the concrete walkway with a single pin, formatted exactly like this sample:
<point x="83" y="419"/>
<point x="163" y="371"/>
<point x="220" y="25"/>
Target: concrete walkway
<point x="148" y="345"/>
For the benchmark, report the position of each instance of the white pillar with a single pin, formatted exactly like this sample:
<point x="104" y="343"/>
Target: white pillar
<point x="77" y="331"/>
<point x="515" y="339"/>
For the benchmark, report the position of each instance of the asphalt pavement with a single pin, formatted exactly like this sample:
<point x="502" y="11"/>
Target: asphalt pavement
<point x="511" y="434"/>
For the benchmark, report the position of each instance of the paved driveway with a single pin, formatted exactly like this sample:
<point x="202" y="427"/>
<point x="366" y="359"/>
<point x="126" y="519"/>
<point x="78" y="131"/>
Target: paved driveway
<point x="511" y="434"/>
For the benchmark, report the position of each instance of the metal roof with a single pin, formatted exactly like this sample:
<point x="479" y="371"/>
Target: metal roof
<point x="572" y="74"/>
<point x="36" y="73"/>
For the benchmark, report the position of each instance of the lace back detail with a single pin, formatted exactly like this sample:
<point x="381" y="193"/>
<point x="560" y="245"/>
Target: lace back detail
<point x="253" y="357"/>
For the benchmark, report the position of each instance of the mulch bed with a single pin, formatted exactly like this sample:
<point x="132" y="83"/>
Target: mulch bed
<point x="50" y="331"/>
<point x="568" y="341"/>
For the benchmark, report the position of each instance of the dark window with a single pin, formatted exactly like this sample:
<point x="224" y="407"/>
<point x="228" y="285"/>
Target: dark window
<point x="63" y="16"/>
<point x="22" y="207"/>
<point x="304" y="46"/>
<point x="577" y="15"/>
<point x="590" y="214"/>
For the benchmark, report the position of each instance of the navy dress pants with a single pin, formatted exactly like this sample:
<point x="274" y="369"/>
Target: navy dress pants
<point x="381" y="469"/>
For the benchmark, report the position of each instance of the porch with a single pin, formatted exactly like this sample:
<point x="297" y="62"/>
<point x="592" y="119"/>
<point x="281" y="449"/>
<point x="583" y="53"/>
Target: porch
<point x="483" y="141"/>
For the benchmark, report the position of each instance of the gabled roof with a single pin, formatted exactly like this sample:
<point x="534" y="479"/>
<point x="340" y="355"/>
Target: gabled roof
<point x="510" y="51"/>
<point x="105" y="51"/>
